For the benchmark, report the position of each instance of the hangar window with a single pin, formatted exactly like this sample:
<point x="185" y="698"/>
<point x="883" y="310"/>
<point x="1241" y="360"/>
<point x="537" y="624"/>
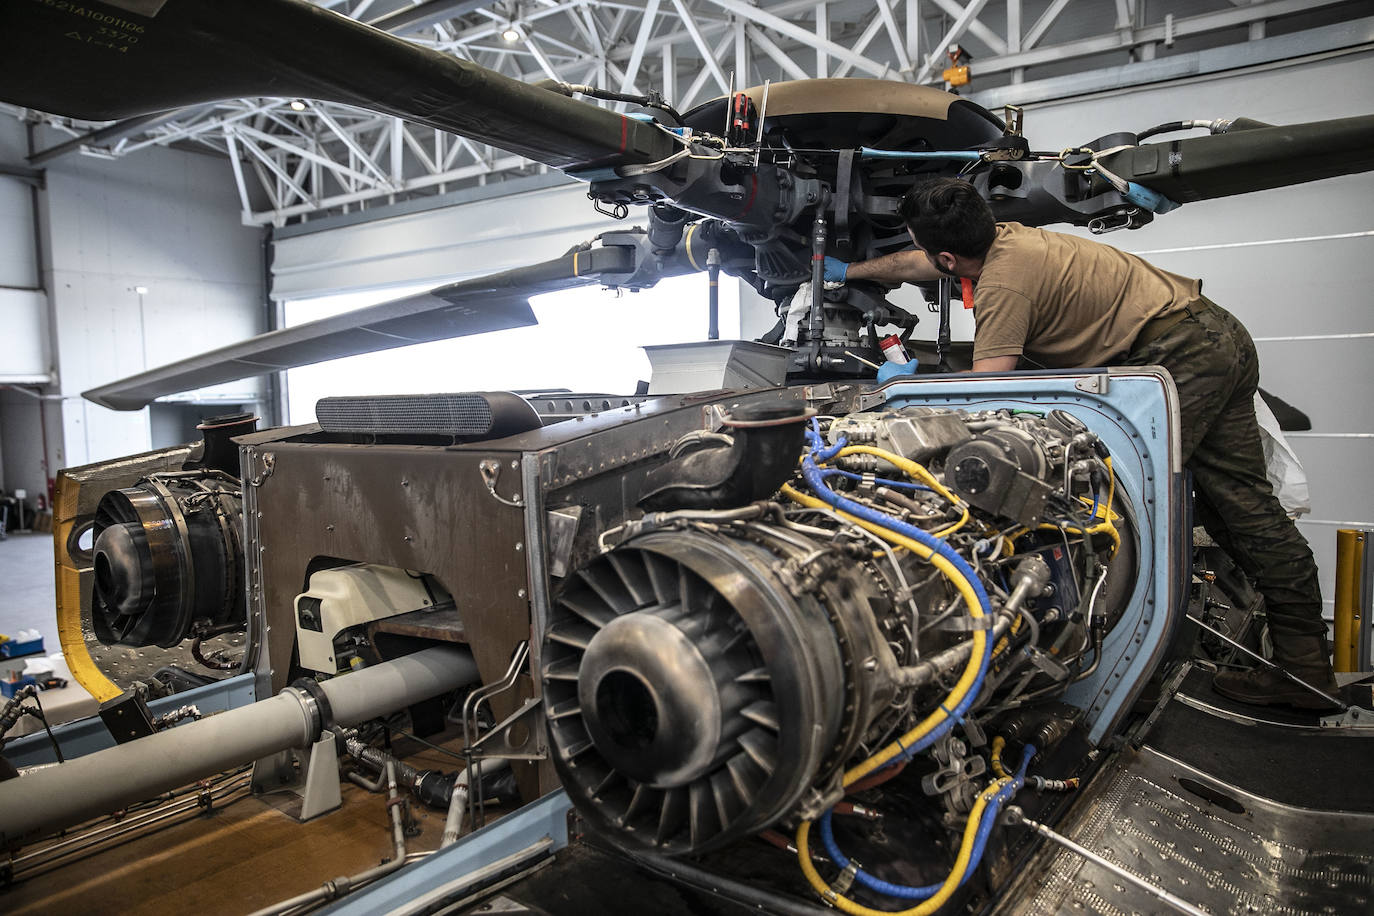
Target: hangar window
<point x="587" y="340"/>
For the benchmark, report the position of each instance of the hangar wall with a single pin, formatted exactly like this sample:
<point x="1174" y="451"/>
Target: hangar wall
<point x="165" y="221"/>
<point x="1294" y="264"/>
<point x="24" y="333"/>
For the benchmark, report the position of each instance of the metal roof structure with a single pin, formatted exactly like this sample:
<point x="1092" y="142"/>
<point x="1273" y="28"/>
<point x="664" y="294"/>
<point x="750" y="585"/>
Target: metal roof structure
<point x="295" y="158"/>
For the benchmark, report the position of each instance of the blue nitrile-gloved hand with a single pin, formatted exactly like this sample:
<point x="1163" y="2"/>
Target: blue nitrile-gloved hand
<point x="835" y="270"/>
<point x="890" y="370"/>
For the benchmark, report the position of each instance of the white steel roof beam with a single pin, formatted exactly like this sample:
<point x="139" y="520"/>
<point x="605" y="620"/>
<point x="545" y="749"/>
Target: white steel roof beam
<point x="247" y="208"/>
<point x="668" y="81"/>
<point x="646" y="28"/>
<point x="822" y="34"/>
<point x="541" y="59"/>
<point x="1191" y="25"/>
<point x="913" y="30"/>
<point x="763" y="43"/>
<point x="956" y="31"/>
<point x="689" y="99"/>
<point x="249" y="133"/>
<point x="196" y="130"/>
<point x="279" y="214"/>
<point x="799" y="34"/>
<point x="870" y="32"/>
<point x="987" y="36"/>
<point x="431" y="167"/>
<point x="283" y="178"/>
<point x="708" y="56"/>
<point x="890" y="23"/>
<point x="1042" y="25"/>
<point x="322" y="113"/>
<point x="265" y="182"/>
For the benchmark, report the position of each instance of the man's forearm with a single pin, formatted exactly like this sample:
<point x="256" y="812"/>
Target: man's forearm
<point x="899" y="267"/>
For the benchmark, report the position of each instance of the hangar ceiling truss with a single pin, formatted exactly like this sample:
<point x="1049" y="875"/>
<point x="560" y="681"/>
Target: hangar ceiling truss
<point x="292" y="158"/>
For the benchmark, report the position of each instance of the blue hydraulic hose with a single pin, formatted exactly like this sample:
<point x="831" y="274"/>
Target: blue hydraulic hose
<point x="819" y="451"/>
<point x="850" y="475"/>
<point x="980" y="840"/>
<point x="816" y="480"/>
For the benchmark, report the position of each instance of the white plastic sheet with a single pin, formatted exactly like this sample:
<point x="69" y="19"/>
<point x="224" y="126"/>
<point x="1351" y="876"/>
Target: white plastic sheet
<point x="1281" y="464"/>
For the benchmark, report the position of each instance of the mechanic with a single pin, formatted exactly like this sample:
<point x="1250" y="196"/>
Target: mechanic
<point x="1059" y="301"/>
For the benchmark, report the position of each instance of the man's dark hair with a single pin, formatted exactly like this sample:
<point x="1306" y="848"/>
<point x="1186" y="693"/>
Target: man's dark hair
<point x="946" y="214"/>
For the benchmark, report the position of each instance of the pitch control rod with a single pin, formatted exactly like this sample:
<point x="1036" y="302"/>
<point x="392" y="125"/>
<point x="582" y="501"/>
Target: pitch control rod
<point x="1264" y="661"/>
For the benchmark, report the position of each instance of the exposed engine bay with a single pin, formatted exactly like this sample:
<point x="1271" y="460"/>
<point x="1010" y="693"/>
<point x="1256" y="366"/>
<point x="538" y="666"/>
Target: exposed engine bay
<point x="802" y="614"/>
<point x="716" y="671"/>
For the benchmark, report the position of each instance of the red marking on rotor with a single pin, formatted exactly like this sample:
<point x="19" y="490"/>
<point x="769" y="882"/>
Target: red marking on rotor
<point x="753" y="193"/>
<point x="818" y="257"/>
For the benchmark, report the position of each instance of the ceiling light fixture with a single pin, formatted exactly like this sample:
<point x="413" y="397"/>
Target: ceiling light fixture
<point x="297" y="105"/>
<point x="511" y="33"/>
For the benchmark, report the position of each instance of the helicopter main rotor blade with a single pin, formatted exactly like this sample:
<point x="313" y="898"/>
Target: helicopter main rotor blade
<point x="1253" y="159"/>
<point x="476" y="306"/>
<point x="101" y="62"/>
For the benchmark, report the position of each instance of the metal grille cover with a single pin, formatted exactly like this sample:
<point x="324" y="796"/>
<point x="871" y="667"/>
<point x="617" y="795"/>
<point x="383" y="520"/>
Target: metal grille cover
<point x="480" y="413"/>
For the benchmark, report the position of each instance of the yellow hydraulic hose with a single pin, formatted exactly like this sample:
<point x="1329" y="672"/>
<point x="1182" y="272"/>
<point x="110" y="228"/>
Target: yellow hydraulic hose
<point x="998" y="744"/>
<point x="912" y="469"/>
<point x="925" y="907"/>
<point x="1105" y="526"/>
<point x="965" y="589"/>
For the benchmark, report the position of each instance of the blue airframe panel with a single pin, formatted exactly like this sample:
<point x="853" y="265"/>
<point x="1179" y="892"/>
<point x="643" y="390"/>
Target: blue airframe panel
<point x="1135" y="413"/>
<point x="547" y="817"/>
<point x="88" y="735"/>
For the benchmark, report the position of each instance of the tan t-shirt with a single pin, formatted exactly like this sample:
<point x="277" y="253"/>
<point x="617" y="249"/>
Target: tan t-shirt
<point x="1066" y="302"/>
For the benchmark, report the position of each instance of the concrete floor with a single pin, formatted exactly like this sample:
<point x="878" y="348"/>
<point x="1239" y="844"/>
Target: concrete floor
<point x="28" y="591"/>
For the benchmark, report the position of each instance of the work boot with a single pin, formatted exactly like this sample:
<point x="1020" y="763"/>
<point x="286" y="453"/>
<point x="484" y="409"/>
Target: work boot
<point x="1301" y="654"/>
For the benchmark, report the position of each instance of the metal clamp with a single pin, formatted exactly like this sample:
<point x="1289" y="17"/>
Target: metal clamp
<point x="490" y="469"/>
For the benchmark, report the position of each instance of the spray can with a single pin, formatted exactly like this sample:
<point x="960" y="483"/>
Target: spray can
<point x="893" y="351"/>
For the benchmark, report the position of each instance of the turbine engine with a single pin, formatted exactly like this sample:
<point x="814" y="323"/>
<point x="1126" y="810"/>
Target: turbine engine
<point x="714" y="671"/>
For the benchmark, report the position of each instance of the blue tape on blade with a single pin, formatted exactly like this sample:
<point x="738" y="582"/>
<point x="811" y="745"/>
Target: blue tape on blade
<point x="590" y="175"/>
<point x="1153" y="201"/>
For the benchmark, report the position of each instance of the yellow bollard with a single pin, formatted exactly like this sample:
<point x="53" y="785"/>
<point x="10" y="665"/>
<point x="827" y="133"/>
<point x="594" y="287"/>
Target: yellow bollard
<point x="1351" y="544"/>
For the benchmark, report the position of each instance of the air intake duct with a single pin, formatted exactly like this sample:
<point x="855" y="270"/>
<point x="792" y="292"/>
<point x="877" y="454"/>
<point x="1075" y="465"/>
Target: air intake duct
<point x="695" y="690"/>
<point x="167" y="555"/>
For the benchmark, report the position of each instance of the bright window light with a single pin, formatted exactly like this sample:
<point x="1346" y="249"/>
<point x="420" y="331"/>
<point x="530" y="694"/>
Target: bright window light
<point x="588" y="340"/>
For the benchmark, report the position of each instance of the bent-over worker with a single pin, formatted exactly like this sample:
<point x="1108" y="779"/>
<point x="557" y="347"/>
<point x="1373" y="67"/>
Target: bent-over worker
<point x="1059" y="301"/>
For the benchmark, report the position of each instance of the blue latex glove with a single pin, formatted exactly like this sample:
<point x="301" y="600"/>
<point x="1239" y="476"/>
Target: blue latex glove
<point x="835" y="270"/>
<point x="890" y="370"/>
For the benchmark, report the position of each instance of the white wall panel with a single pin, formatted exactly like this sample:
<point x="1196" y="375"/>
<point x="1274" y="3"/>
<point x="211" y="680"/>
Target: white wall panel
<point x="1292" y="262"/>
<point x="23" y="337"/>
<point x="18" y="263"/>
<point x="165" y="222"/>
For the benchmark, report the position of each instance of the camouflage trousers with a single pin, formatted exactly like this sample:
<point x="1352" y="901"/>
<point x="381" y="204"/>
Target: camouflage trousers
<point x="1216" y="370"/>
